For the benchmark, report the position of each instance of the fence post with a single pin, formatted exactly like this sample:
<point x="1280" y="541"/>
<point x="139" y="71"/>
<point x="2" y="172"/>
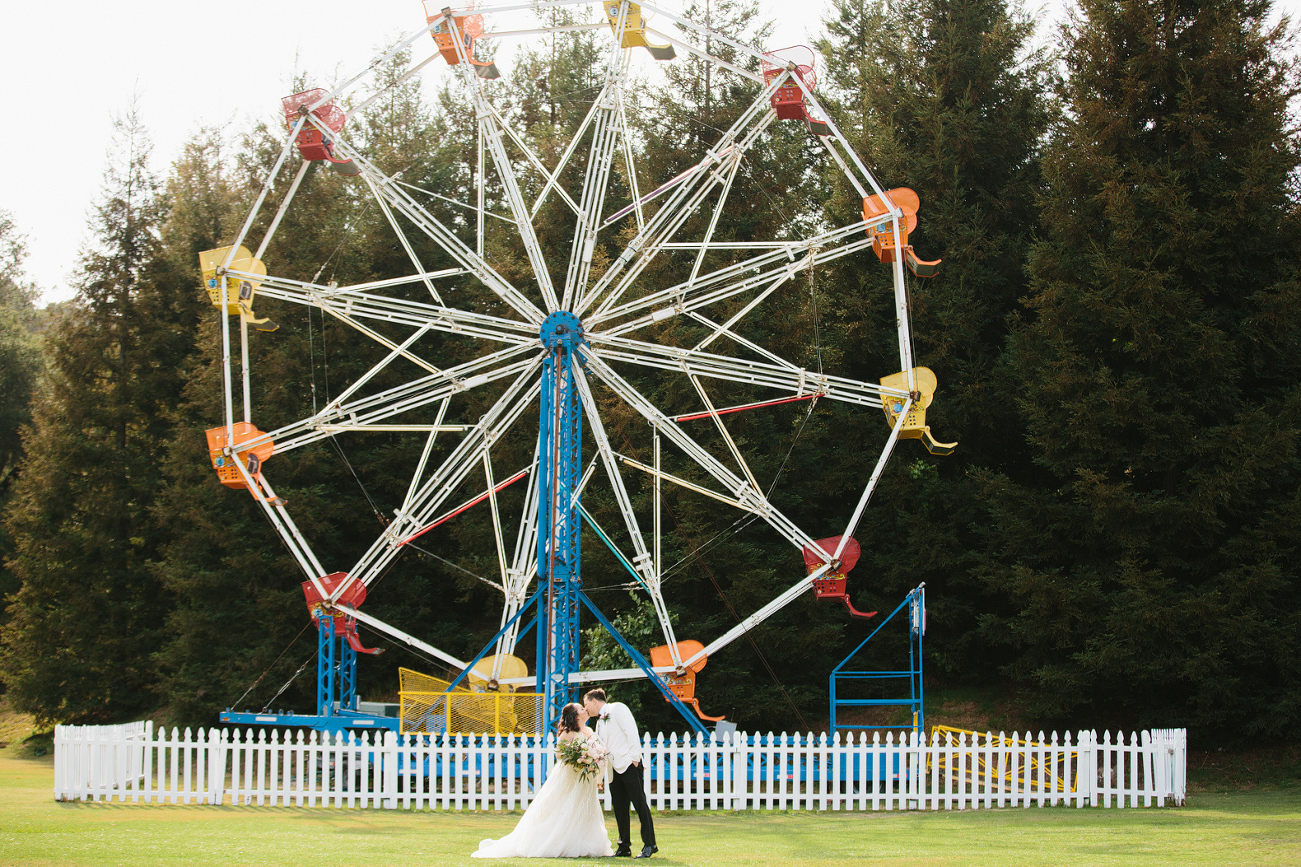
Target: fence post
<point x="1149" y="762"/>
<point x="60" y="762"/>
<point x="388" y="755"/>
<point x="215" y="778"/>
<point x="1181" y="766"/>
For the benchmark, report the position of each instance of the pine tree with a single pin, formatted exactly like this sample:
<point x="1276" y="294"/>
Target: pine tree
<point x="946" y="97"/>
<point x="89" y="610"/>
<point x="20" y="365"/>
<point x="1149" y="561"/>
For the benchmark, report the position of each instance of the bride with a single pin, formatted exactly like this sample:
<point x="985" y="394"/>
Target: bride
<point x="565" y="819"/>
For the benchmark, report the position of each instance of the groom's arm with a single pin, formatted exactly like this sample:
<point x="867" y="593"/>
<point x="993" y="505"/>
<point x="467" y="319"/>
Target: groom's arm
<point x="621" y="717"/>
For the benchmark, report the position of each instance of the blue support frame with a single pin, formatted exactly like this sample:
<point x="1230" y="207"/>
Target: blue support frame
<point x="325" y="644"/>
<point x="336" y="691"/>
<point x="915" y="601"/>
<point x="493" y="641"/>
<point x="559" y="548"/>
<point x="692" y="719"/>
<point x="336" y="671"/>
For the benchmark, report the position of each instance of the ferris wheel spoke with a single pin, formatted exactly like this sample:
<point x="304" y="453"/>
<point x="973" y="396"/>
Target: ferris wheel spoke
<point x="607" y="132"/>
<point x="685" y="200"/>
<point x="750" y="497"/>
<point x="755" y="274"/>
<point x="441" y="485"/>
<point x="398" y="351"/>
<point x="424" y="454"/>
<point x="346" y="304"/>
<point x="725" y="330"/>
<point x="367" y="412"/>
<point x="492" y="135"/>
<point x="467" y="454"/>
<point x="724" y="190"/>
<point x="402" y="237"/>
<point x="722" y="429"/>
<point x="642" y="560"/>
<point x="631" y="169"/>
<point x="523" y="564"/>
<point x="469" y="259"/>
<point x="496" y="519"/>
<point x="784" y="377"/>
<point x="552" y="175"/>
<point x="535" y="161"/>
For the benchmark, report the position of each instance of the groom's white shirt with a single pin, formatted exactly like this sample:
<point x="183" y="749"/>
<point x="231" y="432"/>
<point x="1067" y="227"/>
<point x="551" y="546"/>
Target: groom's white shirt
<point x="618" y="731"/>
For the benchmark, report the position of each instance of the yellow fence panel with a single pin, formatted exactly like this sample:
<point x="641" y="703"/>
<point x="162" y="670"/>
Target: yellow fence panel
<point x="1017" y="760"/>
<point x="429" y="707"/>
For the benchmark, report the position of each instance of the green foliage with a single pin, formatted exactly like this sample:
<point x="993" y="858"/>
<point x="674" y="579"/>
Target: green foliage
<point x="946" y="97"/>
<point x="20" y="366"/>
<point x="88" y="611"/>
<point x="640" y="627"/>
<point x="1148" y="561"/>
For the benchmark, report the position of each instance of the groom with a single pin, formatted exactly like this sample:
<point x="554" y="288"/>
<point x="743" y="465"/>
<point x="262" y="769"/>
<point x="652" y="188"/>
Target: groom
<point x="618" y="731"/>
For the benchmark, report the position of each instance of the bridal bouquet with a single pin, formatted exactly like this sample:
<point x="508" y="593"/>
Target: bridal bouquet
<point x="585" y="755"/>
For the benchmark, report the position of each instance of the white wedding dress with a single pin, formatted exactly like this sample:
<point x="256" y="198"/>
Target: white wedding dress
<point x="563" y="821"/>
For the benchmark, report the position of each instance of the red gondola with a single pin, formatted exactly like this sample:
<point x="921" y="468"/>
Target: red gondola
<point x="832" y="584"/>
<point x="316" y="139"/>
<point x="788" y="100"/>
<point x="344" y="624"/>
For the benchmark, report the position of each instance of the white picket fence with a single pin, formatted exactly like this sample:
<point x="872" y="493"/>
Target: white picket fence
<point x="270" y="767"/>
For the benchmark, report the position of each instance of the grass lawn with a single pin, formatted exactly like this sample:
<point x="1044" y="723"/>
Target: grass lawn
<point x="1244" y="828"/>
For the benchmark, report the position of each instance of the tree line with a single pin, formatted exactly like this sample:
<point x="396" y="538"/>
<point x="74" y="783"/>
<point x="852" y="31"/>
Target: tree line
<point x="1115" y="329"/>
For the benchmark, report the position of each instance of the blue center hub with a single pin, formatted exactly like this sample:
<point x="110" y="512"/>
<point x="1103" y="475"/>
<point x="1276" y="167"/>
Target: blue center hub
<point x="561" y="328"/>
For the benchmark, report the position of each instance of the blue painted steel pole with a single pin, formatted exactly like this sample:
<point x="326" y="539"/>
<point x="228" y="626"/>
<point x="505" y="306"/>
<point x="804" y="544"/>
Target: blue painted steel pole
<point x="347" y="676"/>
<point x="324" y="666"/>
<point x="560" y="437"/>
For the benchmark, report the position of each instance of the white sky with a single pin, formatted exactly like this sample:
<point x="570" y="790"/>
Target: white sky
<point x="71" y="65"/>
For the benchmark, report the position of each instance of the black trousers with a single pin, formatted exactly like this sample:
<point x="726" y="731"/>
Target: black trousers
<point x="626" y="789"/>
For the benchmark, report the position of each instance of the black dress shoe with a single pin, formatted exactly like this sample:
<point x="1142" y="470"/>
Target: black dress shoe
<point x="648" y="851"/>
<point x="621" y="852"/>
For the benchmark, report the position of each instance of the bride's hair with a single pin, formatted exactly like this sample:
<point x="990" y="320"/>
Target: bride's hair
<point x="569" y="719"/>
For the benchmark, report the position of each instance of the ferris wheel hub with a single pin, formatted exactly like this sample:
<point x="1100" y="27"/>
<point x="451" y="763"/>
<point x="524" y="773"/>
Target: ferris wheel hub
<point x="561" y="328"/>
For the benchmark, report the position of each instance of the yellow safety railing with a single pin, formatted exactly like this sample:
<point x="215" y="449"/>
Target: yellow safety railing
<point x="428" y="706"/>
<point x="1057" y="762"/>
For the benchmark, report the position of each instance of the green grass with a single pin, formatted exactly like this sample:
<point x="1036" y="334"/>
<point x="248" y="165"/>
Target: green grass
<point x="1248" y="828"/>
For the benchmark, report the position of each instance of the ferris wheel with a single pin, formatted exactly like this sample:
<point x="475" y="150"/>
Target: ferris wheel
<point x="559" y="346"/>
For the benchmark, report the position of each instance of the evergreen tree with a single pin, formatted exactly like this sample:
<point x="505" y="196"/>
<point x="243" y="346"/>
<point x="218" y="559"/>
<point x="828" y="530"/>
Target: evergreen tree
<point x="946" y="97"/>
<point x="20" y="365"/>
<point x="1149" y="561"/>
<point x="89" y="610"/>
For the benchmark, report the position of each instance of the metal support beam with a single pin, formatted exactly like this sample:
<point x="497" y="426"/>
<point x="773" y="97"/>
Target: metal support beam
<point x="560" y="447"/>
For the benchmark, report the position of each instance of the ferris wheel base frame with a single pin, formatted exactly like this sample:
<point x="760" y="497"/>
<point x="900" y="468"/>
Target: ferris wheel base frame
<point x="689" y="709"/>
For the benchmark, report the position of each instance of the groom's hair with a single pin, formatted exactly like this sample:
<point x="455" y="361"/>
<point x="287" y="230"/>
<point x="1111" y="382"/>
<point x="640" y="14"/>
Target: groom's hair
<point x="598" y="694"/>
